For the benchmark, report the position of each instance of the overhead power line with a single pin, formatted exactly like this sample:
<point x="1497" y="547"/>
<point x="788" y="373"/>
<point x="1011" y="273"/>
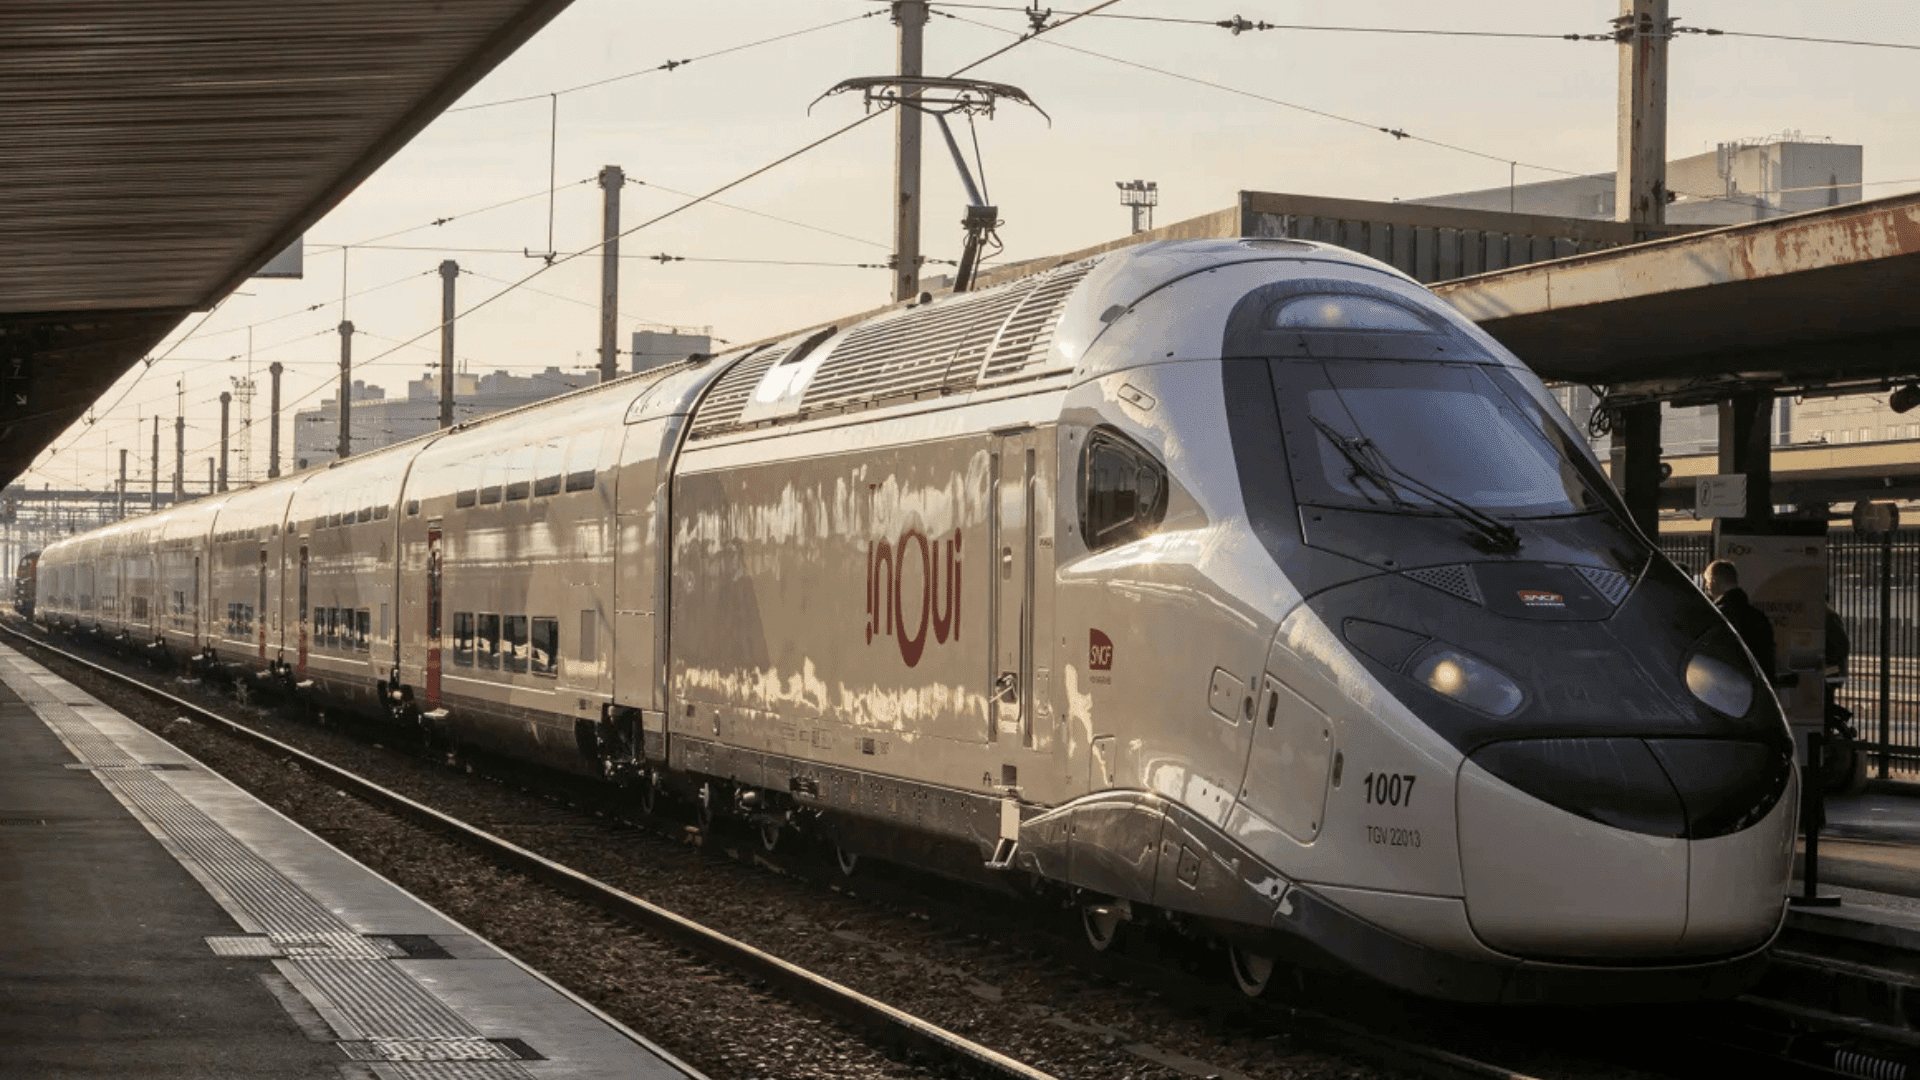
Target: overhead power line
<point x="1396" y="132"/>
<point x="689" y="204"/>
<point x="669" y="65"/>
<point x="1238" y="25"/>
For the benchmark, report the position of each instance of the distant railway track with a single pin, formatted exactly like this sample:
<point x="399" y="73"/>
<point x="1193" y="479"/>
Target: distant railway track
<point x="1741" y="1030"/>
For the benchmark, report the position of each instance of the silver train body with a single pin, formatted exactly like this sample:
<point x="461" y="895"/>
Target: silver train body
<point x="1241" y="582"/>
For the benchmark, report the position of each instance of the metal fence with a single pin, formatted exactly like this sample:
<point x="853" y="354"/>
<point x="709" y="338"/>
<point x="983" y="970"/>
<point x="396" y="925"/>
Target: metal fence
<point x="1871" y="584"/>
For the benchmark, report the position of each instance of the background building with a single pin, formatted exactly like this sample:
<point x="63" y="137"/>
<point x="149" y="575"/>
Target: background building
<point x="1745" y="180"/>
<point x="379" y="421"/>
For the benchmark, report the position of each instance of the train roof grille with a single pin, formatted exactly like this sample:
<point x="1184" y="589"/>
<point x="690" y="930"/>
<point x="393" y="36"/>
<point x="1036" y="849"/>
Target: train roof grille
<point x="994" y="336"/>
<point x="911" y="354"/>
<point x="721" y="409"/>
<point x="1028" y="333"/>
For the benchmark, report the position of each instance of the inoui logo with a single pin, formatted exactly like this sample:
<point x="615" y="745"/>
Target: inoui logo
<point x="890" y="581"/>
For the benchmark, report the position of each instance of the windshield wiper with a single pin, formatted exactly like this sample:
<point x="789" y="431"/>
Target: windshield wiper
<point x="1369" y="462"/>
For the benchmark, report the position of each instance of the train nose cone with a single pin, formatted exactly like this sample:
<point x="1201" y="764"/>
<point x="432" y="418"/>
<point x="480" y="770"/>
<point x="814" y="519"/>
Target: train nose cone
<point x="1597" y="847"/>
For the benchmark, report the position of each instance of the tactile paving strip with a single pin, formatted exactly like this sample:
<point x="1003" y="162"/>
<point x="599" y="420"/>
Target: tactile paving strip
<point x="390" y="1012"/>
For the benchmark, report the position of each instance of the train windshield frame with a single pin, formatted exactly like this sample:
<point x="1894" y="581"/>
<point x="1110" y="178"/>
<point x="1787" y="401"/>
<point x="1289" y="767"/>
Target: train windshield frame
<point x="1370" y="434"/>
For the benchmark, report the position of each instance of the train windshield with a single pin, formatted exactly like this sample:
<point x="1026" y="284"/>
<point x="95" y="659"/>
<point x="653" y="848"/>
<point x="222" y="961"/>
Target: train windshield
<point x="1423" y="437"/>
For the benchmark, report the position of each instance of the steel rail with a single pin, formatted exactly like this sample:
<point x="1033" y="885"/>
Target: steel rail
<point x="890" y="1025"/>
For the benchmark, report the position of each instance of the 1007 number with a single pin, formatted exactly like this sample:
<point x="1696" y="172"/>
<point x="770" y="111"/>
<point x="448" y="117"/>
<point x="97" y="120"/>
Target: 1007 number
<point x="1389" y="789"/>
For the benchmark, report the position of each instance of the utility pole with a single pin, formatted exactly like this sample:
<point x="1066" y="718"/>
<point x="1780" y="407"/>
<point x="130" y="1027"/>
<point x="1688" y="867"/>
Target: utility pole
<point x="345" y="446"/>
<point x="273" y="437"/>
<point x="911" y="17"/>
<point x="612" y="179"/>
<point x="153" y="477"/>
<point x="226" y="406"/>
<point x="449" y="270"/>
<point x="209" y="476"/>
<point x="179" y="459"/>
<point x="120" y="510"/>
<point x="1640" y="187"/>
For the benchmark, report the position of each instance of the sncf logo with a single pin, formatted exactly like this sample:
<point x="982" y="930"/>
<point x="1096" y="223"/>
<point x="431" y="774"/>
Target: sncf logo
<point x="1099" y="651"/>
<point x="913" y="570"/>
<point x="1538" y="598"/>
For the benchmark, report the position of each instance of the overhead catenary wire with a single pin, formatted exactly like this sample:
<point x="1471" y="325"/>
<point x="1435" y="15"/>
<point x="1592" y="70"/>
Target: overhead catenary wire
<point x="667" y="66"/>
<point x="1238" y="25"/>
<point x="1396" y="132"/>
<point x="693" y="202"/>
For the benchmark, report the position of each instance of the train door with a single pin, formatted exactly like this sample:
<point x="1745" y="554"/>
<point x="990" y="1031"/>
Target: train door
<point x="638" y="545"/>
<point x="1289" y="763"/>
<point x="433" y="617"/>
<point x="300" y="613"/>
<point x="1011" y="471"/>
<point x="200" y="631"/>
<point x="260" y="606"/>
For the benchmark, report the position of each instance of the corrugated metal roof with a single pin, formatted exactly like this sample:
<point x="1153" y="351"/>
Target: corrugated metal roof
<point x="157" y="153"/>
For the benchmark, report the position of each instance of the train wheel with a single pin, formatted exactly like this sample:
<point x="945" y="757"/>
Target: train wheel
<point x="848" y="861"/>
<point x="1251" y="971"/>
<point x="703" y="813"/>
<point x="1102" y="920"/>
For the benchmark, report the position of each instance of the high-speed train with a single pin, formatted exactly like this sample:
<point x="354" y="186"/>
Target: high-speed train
<point x="1240" y="585"/>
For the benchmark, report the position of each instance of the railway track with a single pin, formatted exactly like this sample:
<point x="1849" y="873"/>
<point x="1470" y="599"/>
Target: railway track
<point x="905" y="1034"/>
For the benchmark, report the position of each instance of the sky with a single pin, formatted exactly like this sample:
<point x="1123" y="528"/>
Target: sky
<point x="1547" y="104"/>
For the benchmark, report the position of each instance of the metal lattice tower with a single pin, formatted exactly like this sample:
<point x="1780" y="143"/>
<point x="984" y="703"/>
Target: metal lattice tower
<point x="243" y="396"/>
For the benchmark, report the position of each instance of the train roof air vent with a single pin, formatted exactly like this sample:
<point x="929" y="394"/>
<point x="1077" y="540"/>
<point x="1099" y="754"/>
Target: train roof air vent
<point x="1453" y="579"/>
<point x="1612" y="585"/>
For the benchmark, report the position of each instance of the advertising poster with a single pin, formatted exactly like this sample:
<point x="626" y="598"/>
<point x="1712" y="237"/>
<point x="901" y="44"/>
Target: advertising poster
<point x="1784" y="571"/>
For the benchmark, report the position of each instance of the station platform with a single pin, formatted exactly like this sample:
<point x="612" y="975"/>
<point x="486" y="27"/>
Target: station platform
<point x="1870" y="860"/>
<point x="157" y="921"/>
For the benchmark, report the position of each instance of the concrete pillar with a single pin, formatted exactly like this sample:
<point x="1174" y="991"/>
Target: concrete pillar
<point x="1746" y="446"/>
<point x="1638" y="436"/>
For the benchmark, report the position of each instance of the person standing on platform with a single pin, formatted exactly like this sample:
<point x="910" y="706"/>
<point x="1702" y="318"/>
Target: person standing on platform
<point x="1752" y="624"/>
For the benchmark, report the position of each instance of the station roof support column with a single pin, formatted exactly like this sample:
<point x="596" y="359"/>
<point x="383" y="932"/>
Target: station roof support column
<point x="1746" y="446"/>
<point x="1636" y="439"/>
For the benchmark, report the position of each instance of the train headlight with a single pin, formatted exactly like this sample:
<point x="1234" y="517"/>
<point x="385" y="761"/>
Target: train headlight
<point x="1723" y="687"/>
<point x="1473" y="683"/>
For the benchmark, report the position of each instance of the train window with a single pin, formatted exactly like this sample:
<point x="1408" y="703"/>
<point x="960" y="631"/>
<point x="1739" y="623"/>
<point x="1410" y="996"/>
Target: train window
<point x="589" y="626"/>
<point x="546" y="646"/>
<point x="520" y="473"/>
<point x="333" y="521"/>
<point x="380" y="512"/>
<point x="583" y="459"/>
<point x="320" y="625"/>
<point x="547" y="468"/>
<point x="486" y="642"/>
<point x="463" y="638"/>
<point x="363" y="629"/>
<point x="365" y="513"/>
<point x="519" y="489"/>
<point x="413" y="507"/>
<point x="1123" y="491"/>
<point x="333" y="627"/>
<point x="465" y="498"/>
<point x="137" y="607"/>
<point x="383" y="622"/>
<point x="513" y="643"/>
<point x="491" y="481"/>
<point x="1339" y="312"/>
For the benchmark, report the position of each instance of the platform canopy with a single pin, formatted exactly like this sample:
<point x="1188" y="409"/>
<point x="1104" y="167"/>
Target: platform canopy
<point x="153" y="155"/>
<point x="1815" y="301"/>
